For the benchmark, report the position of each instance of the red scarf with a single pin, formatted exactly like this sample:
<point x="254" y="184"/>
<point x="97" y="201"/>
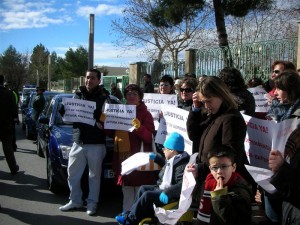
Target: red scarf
<point x="205" y="207"/>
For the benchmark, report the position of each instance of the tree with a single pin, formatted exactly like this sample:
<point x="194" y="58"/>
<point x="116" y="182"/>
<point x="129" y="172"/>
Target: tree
<point x="14" y="66"/>
<point x="169" y="13"/>
<point x="158" y="42"/>
<point x="38" y="67"/>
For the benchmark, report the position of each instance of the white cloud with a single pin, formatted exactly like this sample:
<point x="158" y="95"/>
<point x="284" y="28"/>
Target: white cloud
<point x="100" y="10"/>
<point x="20" y="14"/>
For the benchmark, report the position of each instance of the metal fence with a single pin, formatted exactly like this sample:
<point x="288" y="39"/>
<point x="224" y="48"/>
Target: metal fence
<point x="252" y="59"/>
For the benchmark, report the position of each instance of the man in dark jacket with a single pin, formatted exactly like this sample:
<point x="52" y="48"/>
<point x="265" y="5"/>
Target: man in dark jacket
<point x="8" y="112"/>
<point x="168" y="186"/>
<point x="149" y="87"/>
<point x="88" y="148"/>
<point x="38" y="103"/>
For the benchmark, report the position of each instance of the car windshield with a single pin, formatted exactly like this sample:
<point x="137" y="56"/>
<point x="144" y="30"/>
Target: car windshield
<point x="58" y="118"/>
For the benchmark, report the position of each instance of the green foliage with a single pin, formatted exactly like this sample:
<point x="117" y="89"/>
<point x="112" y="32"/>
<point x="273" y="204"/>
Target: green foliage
<point x="13" y="66"/>
<point x="172" y="12"/>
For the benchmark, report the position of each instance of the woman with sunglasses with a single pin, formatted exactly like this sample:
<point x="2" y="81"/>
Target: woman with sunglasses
<point x="187" y="90"/>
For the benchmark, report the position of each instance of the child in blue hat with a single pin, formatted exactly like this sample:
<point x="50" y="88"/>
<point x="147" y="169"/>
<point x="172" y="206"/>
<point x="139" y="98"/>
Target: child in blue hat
<point x="168" y="185"/>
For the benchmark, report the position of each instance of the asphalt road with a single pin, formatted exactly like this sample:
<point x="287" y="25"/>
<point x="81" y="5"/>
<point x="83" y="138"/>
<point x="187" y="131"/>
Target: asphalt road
<point x="25" y="198"/>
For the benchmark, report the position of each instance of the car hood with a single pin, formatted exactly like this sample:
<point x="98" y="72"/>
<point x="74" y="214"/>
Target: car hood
<point x="63" y="134"/>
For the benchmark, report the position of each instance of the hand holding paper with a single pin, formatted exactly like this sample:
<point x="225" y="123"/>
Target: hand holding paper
<point x="275" y="160"/>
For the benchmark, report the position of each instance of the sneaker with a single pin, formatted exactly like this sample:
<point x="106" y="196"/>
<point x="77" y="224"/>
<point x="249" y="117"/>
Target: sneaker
<point x="120" y="219"/>
<point x="70" y="205"/>
<point x="91" y="209"/>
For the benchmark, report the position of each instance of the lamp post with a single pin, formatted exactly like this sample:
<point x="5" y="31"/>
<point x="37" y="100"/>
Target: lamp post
<point x="49" y="72"/>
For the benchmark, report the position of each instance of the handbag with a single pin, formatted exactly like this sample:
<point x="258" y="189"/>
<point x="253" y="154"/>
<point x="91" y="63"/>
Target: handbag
<point x="151" y="166"/>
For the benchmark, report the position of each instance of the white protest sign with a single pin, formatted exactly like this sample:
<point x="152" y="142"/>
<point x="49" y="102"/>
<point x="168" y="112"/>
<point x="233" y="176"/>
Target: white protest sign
<point x="261" y="100"/>
<point x="133" y="162"/>
<point x="155" y="102"/>
<point x="174" y="121"/>
<point x="119" y="116"/>
<point x="264" y="135"/>
<point x="77" y="110"/>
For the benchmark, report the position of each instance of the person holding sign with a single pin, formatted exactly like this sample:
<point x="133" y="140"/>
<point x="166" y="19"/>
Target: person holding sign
<point x="215" y="120"/>
<point x="168" y="187"/>
<point x="286" y="178"/>
<point x="129" y="143"/>
<point x="88" y="148"/>
<point x="285" y="106"/>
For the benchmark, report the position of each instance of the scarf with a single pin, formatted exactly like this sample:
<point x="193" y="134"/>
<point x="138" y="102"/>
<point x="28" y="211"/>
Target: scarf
<point x="167" y="177"/>
<point x="205" y="207"/>
<point x="291" y="110"/>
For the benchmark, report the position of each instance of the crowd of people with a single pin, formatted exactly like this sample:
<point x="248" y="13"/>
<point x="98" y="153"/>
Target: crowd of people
<point x="224" y="188"/>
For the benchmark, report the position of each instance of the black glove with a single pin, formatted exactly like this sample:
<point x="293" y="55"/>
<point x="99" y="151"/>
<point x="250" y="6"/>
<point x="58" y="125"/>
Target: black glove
<point x="61" y="110"/>
<point x="97" y="114"/>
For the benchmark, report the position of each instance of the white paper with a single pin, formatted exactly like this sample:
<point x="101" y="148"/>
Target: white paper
<point x="172" y="216"/>
<point x="262" y="177"/>
<point x="78" y="110"/>
<point x="119" y="116"/>
<point x="133" y="162"/>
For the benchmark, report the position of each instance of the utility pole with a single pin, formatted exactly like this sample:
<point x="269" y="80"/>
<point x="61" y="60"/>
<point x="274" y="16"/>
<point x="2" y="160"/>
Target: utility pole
<point x="49" y="72"/>
<point x="91" y="42"/>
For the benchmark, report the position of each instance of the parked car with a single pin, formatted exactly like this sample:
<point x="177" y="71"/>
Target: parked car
<point x="28" y="124"/>
<point x="54" y="142"/>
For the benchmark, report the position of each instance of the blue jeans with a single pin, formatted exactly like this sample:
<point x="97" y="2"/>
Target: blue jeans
<point x="143" y="205"/>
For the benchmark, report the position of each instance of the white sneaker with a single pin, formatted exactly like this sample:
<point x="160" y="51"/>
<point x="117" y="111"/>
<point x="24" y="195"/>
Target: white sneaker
<point x="70" y="205"/>
<point x="91" y="209"/>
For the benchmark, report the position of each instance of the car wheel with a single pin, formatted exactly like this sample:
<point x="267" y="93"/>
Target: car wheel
<point x="52" y="183"/>
<point x="39" y="150"/>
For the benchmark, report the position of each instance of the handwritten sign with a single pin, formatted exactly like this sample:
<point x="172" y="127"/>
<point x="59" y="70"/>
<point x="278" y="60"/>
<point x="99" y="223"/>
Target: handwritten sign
<point x="119" y="116"/>
<point x="155" y="103"/>
<point x="80" y="111"/>
<point x="264" y="135"/>
<point x="174" y="120"/>
<point x="260" y="97"/>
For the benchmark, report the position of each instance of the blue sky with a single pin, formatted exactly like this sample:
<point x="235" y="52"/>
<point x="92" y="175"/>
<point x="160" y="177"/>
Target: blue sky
<point x="63" y="24"/>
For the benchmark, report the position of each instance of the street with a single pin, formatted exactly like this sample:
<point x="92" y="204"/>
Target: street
<point x="25" y="198"/>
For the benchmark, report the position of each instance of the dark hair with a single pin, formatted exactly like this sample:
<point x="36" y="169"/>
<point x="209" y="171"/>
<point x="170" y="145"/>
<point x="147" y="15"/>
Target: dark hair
<point x="289" y="81"/>
<point x="254" y="82"/>
<point x="214" y="87"/>
<point x="233" y="78"/>
<point x="134" y="87"/>
<point x="286" y="64"/>
<point x="147" y="75"/>
<point x="167" y="78"/>
<point x="190" y="75"/>
<point x="222" y="151"/>
<point x="190" y="82"/>
<point x="98" y="74"/>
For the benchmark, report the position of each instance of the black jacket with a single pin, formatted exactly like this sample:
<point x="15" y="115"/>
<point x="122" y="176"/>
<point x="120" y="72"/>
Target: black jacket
<point x="179" y="163"/>
<point x="84" y="133"/>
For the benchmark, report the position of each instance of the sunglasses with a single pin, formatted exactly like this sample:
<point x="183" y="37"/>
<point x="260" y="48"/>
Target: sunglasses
<point x="276" y="71"/>
<point x="188" y="90"/>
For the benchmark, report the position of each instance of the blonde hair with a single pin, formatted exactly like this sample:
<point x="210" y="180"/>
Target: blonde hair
<point x="214" y="87"/>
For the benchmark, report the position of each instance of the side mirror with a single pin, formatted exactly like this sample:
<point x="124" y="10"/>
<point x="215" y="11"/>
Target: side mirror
<point x="43" y="120"/>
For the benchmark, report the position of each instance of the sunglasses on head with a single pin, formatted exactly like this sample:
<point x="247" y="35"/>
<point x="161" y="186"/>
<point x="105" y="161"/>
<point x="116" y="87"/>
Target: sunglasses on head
<point x="186" y="90"/>
<point x="276" y="71"/>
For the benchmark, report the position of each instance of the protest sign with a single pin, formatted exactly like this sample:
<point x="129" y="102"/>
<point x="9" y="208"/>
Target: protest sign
<point x="264" y="135"/>
<point x="174" y="121"/>
<point x="154" y="103"/>
<point x="80" y="111"/>
<point x="119" y="116"/>
<point x="260" y="97"/>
